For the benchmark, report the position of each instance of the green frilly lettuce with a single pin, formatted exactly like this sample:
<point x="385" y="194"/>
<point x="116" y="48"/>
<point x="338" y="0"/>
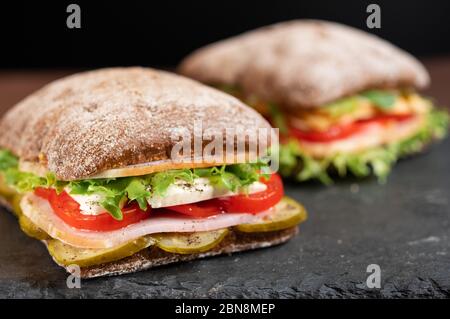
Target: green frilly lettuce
<point x="377" y="161"/>
<point x="139" y="188"/>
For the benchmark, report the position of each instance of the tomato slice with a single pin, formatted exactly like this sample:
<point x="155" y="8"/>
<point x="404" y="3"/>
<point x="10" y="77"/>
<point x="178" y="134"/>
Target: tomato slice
<point x="333" y="133"/>
<point x="257" y="202"/>
<point x="343" y="131"/>
<point x="387" y="118"/>
<point x="69" y="211"/>
<point x="252" y="203"/>
<point x="201" y="209"/>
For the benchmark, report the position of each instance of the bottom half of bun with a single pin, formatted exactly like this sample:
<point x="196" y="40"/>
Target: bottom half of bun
<point x="154" y="257"/>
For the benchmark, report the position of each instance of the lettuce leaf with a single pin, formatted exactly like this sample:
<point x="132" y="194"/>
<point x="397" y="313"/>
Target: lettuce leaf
<point x="139" y="188"/>
<point x="377" y="161"/>
<point x="382" y="99"/>
<point x="341" y="107"/>
<point x="235" y="176"/>
<point x="114" y="191"/>
<point x="278" y="118"/>
<point x="23" y="181"/>
<point x="160" y="182"/>
<point x="7" y="160"/>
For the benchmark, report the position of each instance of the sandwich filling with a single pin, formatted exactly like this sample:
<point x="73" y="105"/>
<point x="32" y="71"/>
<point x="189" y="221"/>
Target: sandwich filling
<point x="362" y="134"/>
<point x="105" y="214"/>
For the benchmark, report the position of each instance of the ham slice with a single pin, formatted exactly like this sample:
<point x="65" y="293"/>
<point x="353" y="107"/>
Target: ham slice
<point x="41" y="214"/>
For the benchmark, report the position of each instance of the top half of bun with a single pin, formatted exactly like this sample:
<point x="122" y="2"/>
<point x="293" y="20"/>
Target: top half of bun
<point x="305" y="63"/>
<point x="90" y="122"/>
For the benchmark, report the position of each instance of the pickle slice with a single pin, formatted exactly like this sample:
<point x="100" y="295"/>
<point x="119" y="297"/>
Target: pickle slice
<point x="31" y="229"/>
<point x="5" y="190"/>
<point x="190" y="243"/>
<point x="287" y="213"/>
<point x="67" y="255"/>
<point x="15" y="204"/>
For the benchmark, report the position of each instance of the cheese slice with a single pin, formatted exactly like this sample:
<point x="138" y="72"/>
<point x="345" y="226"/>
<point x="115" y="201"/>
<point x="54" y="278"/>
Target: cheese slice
<point x="89" y="204"/>
<point x="181" y="192"/>
<point x="178" y="193"/>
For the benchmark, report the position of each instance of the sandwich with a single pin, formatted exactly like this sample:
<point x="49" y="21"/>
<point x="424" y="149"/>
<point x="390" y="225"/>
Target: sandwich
<point x="345" y="101"/>
<point x="87" y="164"/>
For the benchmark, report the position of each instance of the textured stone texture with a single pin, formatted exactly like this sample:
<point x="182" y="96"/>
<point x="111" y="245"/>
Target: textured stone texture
<point x="403" y="226"/>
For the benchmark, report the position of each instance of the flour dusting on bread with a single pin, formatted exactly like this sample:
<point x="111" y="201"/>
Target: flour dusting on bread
<point x="93" y="121"/>
<point x="305" y="63"/>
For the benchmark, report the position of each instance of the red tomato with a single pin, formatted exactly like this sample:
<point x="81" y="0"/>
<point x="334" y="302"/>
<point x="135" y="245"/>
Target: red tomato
<point x="333" y="133"/>
<point x="257" y="202"/>
<point x="342" y="131"/>
<point x="204" y="208"/>
<point x="387" y="118"/>
<point x="69" y="211"/>
<point x="253" y="203"/>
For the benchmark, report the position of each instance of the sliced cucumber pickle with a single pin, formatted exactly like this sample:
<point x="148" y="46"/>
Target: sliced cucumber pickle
<point x="31" y="229"/>
<point x="15" y="204"/>
<point x="11" y="196"/>
<point x="190" y="243"/>
<point x="66" y="255"/>
<point x="287" y="213"/>
<point x="5" y="190"/>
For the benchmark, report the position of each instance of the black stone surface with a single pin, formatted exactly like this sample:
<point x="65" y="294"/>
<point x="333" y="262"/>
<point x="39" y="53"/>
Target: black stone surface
<point x="402" y="226"/>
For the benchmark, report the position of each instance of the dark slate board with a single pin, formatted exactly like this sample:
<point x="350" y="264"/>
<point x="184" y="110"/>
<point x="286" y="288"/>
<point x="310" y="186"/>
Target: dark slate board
<point x="403" y="226"/>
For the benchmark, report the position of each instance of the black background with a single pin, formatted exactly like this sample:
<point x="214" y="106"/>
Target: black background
<point x="160" y="33"/>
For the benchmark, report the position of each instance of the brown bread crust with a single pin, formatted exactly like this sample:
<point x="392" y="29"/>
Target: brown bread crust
<point x="305" y="63"/>
<point x="110" y="118"/>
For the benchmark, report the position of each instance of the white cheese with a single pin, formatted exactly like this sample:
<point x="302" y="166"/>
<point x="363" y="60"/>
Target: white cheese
<point x="184" y="193"/>
<point x="177" y="194"/>
<point x="89" y="204"/>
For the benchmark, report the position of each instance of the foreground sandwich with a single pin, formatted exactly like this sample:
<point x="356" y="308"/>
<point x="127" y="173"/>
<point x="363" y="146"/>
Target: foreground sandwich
<point x="344" y="100"/>
<point x="87" y="165"/>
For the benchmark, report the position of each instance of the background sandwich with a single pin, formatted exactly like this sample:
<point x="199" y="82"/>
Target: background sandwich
<point x="86" y="165"/>
<point x="345" y="100"/>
